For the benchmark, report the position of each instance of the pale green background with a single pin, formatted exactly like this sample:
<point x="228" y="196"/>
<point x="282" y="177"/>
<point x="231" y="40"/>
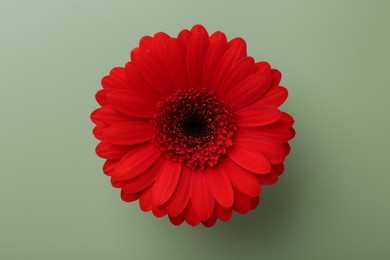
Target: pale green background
<point x="332" y="201"/>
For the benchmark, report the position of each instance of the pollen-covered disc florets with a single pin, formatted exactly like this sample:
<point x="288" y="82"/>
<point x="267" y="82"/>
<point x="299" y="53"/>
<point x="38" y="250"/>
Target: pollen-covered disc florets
<point x="194" y="127"/>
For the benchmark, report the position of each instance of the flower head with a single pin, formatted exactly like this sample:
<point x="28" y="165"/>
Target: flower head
<point x="191" y="128"/>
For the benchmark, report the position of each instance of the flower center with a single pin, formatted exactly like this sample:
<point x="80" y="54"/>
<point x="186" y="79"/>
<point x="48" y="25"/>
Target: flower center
<point x="194" y="124"/>
<point x="194" y="127"/>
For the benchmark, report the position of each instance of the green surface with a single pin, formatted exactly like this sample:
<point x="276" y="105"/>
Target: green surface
<point x="332" y="201"/>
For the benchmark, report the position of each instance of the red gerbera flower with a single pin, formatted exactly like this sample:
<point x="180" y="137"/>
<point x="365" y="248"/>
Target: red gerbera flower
<point x="191" y="128"/>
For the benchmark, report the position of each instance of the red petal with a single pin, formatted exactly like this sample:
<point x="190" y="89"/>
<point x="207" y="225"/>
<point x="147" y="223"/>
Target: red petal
<point x="179" y="200"/>
<point x="272" y="177"/>
<point x="115" y="183"/>
<point x="241" y="70"/>
<point x="128" y="133"/>
<point x="153" y="71"/>
<point x="116" y="80"/>
<point x="268" y="179"/>
<point x="196" y="50"/>
<point x="243" y="180"/>
<point x="278" y="168"/>
<point x="213" y="56"/>
<point x="210" y="222"/>
<point x="263" y="67"/>
<point x="184" y="36"/>
<point x="198" y="28"/>
<point x="178" y="220"/>
<point x="269" y="148"/>
<point x="276" y="77"/>
<point x="277" y="131"/>
<point x="241" y="42"/>
<point x="106" y="83"/>
<point x="98" y="131"/>
<point x="201" y="197"/>
<point x="130" y="102"/>
<point x="144" y="180"/>
<point x="159" y="41"/>
<point x="175" y="58"/>
<point x="220" y="186"/>
<point x="146" y="43"/>
<point x="159" y="211"/>
<point x="217" y="36"/>
<point x="166" y="182"/>
<point x="274" y="97"/>
<point x="234" y="53"/>
<point x="129" y="197"/>
<point x="292" y="130"/>
<point x="242" y="203"/>
<point x="95" y="118"/>
<point x="109" y="166"/>
<point x="145" y="200"/>
<point x="222" y="213"/>
<point x="286" y="148"/>
<point x="257" y="115"/>
<point x="139" y="84"/>
<point x="249" y="158"/>
<point x="255" y="202"/>
<point x="286" y="120"/>
<point x="101" y="96"/>
<point x="248" y="91"/>
<point x="110" y="116"/>
<point x="110" y="151"/>
<point x="190" y="215"/>
<point x="137" y="161"/>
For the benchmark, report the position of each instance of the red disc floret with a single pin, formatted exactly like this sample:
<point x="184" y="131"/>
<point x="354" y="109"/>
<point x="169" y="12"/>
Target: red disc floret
<point x="194" y="127"/>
